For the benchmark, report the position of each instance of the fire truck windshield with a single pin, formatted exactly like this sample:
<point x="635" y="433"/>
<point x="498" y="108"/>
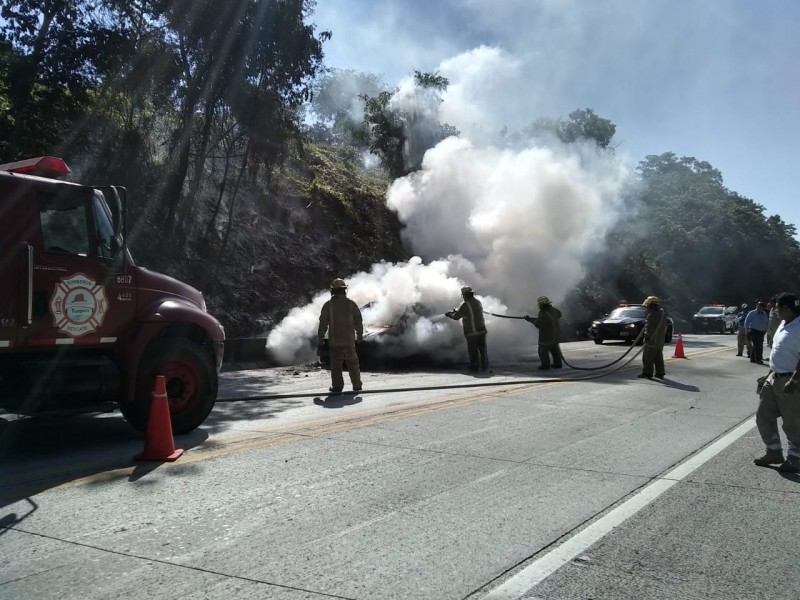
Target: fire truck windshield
<point x="69" y="225"/>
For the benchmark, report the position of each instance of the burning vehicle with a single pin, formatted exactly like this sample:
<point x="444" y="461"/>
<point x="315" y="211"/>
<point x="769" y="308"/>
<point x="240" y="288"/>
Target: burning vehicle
<point x="418" y="334"/>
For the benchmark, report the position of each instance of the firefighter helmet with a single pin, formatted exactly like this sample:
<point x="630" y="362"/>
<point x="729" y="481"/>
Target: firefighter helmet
<point x="466" y="290"/>
<point x="543" y="301"/>
<point x="338" y="284"/>
<point x="651" y="300"/>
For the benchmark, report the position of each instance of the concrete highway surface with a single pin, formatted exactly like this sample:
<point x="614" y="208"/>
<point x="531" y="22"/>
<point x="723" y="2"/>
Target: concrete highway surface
<point x="430" y="484"/>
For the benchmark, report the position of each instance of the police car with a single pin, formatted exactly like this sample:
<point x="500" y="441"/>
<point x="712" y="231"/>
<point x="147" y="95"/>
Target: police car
<point x="624" y="323"/>
<point x="715" y="318"/>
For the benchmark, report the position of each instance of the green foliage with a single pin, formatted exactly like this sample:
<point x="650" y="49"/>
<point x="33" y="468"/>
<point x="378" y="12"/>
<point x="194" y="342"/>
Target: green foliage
<point x="49" y="74"/>
<point x="256" y="57"/>
<point x="400" y="131"/>
<point x="94" y="78"/>
<point x="337" y="106"/>
<point x="692" y="241"/>
<point x="582" y="125"/>
<point x="385" y="135"/>
<point x="6" y="114"/>
<point x="585" y="124"/>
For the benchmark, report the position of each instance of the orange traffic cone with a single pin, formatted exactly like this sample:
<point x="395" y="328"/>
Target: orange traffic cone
<point x="679" y="347"/>
<point x="159" y="444"/>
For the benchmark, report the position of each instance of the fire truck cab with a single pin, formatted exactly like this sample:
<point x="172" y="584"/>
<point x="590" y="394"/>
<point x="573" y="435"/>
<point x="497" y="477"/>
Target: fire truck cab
<point x="83" y="328"/>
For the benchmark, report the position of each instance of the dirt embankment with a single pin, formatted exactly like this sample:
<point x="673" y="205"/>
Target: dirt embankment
<point x="320" y="216"/>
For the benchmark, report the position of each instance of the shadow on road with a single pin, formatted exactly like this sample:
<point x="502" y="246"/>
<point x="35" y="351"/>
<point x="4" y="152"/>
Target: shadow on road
<point x="338" y="400"/>
<point x="679" y="386"/>
<point x="38" y="454"/>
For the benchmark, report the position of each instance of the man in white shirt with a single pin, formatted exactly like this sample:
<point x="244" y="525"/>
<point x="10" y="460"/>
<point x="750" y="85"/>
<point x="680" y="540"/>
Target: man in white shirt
<point x="780" y="396"/>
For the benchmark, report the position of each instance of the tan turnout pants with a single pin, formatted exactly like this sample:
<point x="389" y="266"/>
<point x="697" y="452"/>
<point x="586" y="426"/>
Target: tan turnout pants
<point x="340" y="355"/>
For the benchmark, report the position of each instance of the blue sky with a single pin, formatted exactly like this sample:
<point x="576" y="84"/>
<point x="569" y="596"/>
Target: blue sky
<point x="715" y="79"/>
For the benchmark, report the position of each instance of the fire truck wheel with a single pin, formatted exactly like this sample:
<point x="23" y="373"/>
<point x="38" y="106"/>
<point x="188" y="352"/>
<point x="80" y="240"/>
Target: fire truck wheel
<point x="190" y="382"/>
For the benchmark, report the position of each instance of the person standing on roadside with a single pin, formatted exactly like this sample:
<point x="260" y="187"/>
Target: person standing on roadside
<point x="780" y="394"/>
<point x="547" y="322"/>
<point x="341" y="319"/>
<point x="471" y="315"/>
<point x="741" y="333"/>
<point x="655" y="333"/>
<point x="773" y="320"/>
<point x="756" y="324"/>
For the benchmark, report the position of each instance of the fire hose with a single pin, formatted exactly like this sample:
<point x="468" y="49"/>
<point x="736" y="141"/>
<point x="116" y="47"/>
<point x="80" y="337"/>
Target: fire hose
<point x="601" y="367"/>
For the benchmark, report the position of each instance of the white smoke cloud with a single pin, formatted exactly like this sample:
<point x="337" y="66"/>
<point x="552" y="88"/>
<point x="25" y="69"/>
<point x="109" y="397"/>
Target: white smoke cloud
<point x="484" y="93"/>
<point x="523" y="219"/>
<point x="413" y="293"/>
<point x="513" y="223"/>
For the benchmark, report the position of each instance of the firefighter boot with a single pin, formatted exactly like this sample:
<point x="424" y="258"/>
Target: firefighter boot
<point x="772" y="457"/>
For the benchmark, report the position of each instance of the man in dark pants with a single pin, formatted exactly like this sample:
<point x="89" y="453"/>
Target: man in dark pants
<point x="655" y="332"/>
<point x="780" y="395"/>
<point x="341" y="318"/>
<point x="549" y="333"/>
<point x="471" y="315"/>
<point x="756" y="324"/>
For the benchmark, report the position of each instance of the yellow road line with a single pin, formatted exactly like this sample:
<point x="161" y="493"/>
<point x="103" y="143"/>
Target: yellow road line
<point x="268" y="438"/>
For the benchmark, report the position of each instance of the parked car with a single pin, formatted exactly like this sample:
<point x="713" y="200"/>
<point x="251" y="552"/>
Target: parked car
<point x="624" y="323"/>
<point x="715" y="318"/>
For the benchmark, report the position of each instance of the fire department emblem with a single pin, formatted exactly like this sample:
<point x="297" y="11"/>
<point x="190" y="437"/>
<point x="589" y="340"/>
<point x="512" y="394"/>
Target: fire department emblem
<point x="78" y="305"/>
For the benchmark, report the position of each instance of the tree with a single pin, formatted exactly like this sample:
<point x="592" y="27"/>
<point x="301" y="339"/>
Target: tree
<point x="582" y="125"/>
<point x="585" y="124"/>
<point x="7" y="56"/>
<point x="257" y="56"/>
<point x="403" y="127"/>
<point x="50" y="76"/>
<point x="337" y="105"/>
<point x="693" y="241"/>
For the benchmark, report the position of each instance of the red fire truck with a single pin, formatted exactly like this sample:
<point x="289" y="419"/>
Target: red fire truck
<point x="83" y="328"/>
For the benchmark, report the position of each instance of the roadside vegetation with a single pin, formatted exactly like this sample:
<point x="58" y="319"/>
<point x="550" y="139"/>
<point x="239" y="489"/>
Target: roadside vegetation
<point x="256" y="175"/>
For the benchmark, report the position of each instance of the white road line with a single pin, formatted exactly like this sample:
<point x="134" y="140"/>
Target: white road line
<point x="549" y="563"/>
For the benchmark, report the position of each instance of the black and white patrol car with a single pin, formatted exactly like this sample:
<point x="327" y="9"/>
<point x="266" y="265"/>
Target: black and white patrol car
<point x="624" y="323"/>
<point x="715" y="318"/>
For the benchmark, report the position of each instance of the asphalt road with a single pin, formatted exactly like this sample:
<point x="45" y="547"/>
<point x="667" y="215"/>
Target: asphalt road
<point x="435" y="484"/>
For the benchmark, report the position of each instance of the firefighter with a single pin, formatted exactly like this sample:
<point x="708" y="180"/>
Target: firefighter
<point x="341" y="319"/>
<point x="471" y="315"/>
<point x="655" y="330"/>
<point x="549" y="333"/>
